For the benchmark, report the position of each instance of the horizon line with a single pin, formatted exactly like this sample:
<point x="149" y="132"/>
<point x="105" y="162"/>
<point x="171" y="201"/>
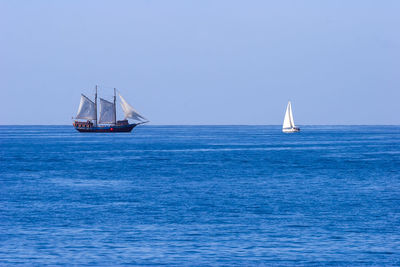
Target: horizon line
<point x="303" y="125"/>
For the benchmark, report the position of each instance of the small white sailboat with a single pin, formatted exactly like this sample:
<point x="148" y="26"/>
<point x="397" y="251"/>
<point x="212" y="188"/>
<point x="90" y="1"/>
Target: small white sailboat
<point x="288" y="122"/>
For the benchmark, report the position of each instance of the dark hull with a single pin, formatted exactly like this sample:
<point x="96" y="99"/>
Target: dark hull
<point x="107" y="129"/>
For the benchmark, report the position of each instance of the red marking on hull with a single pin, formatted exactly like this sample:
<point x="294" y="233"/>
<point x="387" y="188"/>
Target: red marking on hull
<point x="115" y="129"/>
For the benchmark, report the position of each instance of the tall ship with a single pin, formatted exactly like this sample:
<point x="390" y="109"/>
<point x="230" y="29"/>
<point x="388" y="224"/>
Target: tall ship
<point x="107" y="121"/>
<point x="288" y="123"/>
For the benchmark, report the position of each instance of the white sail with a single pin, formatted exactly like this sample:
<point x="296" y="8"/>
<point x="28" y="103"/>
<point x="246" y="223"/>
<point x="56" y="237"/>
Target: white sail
<point x="130" y="112"/>
<point x="86" y="109"/>
<point x="107" y="112"/>
<point x="287" y="122"/>
<point x="291" y="116"/>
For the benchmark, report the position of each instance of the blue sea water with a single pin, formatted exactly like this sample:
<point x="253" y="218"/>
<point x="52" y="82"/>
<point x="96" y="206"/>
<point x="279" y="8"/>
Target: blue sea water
<point x="200" y="195"/>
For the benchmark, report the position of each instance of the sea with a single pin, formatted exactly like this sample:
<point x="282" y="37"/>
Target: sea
<point x="200" y="196"/>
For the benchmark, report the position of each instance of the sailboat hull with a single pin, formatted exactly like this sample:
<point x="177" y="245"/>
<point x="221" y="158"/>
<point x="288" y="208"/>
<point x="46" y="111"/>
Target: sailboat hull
<point x="291" y="130"/>
<point x="107" y="129"/>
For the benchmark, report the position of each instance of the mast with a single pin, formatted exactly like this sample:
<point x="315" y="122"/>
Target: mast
<point x="95" y="106"/>
<point x="115" y="108"/>
<point x="291" y="116"/>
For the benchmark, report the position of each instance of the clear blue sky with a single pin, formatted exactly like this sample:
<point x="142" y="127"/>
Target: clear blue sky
<point x="203" y="62"/>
